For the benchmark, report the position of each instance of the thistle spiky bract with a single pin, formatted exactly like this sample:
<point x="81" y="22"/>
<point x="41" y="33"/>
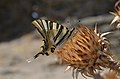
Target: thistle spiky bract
<point x="116" y="13"/>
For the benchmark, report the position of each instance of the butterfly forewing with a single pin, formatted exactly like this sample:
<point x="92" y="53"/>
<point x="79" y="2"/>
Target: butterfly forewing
<point x="65" y="36"/>
<point x="39" y="27"/>
<point x="61" y="34"/>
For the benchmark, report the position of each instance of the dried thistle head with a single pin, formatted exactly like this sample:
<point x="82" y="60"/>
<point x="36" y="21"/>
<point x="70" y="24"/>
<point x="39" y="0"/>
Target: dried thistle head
<point x="116" y="13"/>
<point x="87" y="52"/>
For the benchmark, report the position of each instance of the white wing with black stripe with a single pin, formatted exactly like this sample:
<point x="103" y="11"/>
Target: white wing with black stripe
<point x="53" y="34"/>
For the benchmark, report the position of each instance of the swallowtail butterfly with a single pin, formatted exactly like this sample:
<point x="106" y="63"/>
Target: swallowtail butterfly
<point x="53" y="34"/>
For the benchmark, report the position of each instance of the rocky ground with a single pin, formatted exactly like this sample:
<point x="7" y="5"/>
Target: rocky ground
<point x="13" y="54"/>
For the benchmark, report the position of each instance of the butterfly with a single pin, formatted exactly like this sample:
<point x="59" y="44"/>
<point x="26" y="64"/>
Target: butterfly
<point x="53" y="35"/>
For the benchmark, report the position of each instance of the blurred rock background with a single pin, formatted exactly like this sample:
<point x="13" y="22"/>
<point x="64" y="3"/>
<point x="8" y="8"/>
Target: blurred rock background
<point x="19" y="40"/>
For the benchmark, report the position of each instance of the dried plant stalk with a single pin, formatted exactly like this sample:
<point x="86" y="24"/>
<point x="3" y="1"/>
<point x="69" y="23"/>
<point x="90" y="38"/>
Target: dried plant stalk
<point x="87" y="52"/>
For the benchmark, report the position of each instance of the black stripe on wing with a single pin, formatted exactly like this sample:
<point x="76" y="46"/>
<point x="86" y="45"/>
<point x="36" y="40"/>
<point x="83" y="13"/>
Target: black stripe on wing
<point x="65" y="36"/>
<point x="59" y="32"/>
<point x="70" y="32"/>
<point x="40" y="22"/>
<point x="53" y="25"/>
<point x="60" y="41"/>
<point x="46" y="24"/>
<point x="40" y="32"/>
<point x="39" y="28"/>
